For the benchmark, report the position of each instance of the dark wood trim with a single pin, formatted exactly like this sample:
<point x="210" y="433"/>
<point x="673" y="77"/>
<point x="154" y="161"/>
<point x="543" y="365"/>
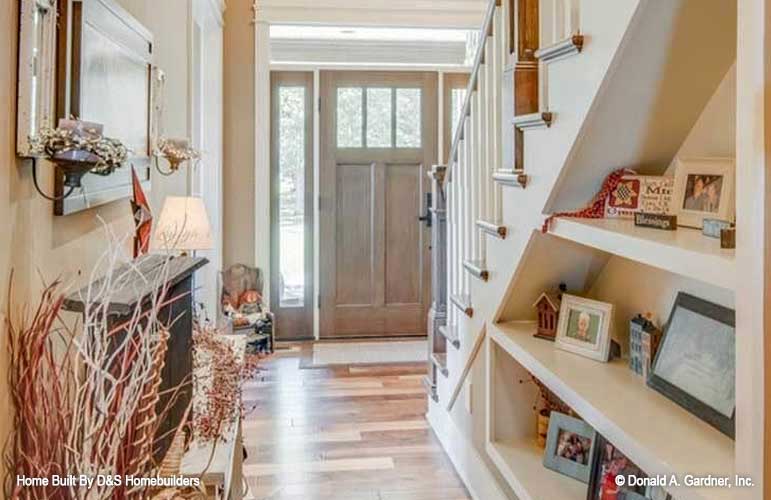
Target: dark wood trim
<point x="527" y="28"/>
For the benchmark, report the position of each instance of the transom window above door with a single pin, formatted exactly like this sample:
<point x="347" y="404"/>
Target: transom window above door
<point x="379" y="117"/>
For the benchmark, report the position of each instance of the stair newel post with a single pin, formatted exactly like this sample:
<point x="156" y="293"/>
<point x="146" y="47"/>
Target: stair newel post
<point x="437" y="315"/>
<point x="525" y="27"/>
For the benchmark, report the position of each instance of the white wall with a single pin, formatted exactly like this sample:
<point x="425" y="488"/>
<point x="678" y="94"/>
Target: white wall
<point x="714" y="133"/>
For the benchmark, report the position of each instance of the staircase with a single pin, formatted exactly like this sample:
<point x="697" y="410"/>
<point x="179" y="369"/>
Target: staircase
<point x="548" y="113"/>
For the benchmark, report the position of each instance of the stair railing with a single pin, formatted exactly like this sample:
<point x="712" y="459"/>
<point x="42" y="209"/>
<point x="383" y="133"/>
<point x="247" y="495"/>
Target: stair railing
<point x="475" y="154"/>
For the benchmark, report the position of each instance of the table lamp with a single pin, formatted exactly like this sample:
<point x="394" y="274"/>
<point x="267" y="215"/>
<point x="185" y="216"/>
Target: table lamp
<point x="183" y="226"/>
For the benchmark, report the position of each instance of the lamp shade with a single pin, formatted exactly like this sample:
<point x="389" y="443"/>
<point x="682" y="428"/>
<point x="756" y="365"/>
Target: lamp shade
<point x="183" y="226"/>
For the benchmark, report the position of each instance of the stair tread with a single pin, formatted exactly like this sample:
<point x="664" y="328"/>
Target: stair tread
<point x="533" y="120"/>
<point x="477" y="268"/>
<point x="440" y="360"/>
<point x="451" y="333"/>
<point x="494" y="228"/>
<point x="569" y="46"/>
<point x="461" y="300"/>
<point x="516" y="178"/>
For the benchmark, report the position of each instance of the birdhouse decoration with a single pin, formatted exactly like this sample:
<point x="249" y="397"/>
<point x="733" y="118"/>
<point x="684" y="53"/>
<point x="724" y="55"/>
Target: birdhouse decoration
<point x="644" y="339"/>
<point x="548" y="309"/>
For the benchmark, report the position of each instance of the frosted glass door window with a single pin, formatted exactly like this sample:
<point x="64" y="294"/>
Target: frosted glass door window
<point x="350" y="117"/>
<point x="379" y="118"/>
<point x="291" y="203"/>
<point x="408" y="118"/>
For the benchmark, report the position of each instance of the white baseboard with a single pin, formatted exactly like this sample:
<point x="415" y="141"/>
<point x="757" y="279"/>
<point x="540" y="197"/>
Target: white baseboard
<point x="473" y="471"/>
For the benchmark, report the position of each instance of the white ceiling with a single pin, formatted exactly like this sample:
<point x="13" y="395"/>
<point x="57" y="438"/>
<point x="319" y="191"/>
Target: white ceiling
<point x="467" y="14"/>
<point x="304" y="32"/>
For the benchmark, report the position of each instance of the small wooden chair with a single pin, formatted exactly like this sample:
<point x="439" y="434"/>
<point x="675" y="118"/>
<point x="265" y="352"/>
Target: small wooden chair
<point x="241" y="305"/>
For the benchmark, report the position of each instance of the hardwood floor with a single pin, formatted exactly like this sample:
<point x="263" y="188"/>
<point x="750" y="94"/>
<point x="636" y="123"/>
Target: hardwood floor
<point x="343" y="433"/>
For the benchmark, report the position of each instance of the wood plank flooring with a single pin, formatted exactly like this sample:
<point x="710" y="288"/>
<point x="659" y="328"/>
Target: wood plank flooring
<point x="342" y="433"/>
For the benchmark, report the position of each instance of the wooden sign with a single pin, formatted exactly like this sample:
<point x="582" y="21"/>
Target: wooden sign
<point x="656" y="221"/>
<point x="728" y="238"/>
<point x="639" y="193"/>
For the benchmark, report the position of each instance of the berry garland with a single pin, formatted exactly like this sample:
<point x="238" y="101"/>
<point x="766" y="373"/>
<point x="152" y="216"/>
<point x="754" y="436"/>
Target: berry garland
<point x="595" y="209"/>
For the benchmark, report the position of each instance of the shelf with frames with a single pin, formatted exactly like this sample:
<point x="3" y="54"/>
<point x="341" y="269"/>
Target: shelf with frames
<point x="654" y="432"/>
<point x="685" y="251"/>
<point x="510" y="433"/>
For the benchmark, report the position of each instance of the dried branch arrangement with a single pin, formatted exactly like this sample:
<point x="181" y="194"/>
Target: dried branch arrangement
<point x="85" y="398"/>
<point x="218" y="375"/>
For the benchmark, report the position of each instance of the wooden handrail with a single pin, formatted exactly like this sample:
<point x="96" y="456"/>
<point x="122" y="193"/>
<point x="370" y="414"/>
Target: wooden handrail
<point x="485" y="33"/>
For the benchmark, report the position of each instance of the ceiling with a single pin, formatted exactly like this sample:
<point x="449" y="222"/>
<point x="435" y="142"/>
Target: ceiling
<point x="465" y="14"/>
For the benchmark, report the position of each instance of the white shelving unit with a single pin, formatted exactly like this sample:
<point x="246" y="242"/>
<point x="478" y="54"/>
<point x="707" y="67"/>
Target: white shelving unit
<point x="686" y="251"/>
<point x="654" y="432"/>
<point x="521" y="463"/>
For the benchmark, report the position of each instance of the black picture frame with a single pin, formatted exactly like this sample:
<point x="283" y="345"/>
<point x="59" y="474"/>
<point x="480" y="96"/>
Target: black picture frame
<point x="595" y="477"/>
<point x="688" y="402"/>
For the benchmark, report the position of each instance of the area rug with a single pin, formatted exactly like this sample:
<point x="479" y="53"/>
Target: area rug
<point x="367" y="352"/>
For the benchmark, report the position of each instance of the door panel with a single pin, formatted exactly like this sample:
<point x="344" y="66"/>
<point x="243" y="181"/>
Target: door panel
<point x="403" y="273"/>
<point x="378" y="140"/>
<point x="355" y="235"/>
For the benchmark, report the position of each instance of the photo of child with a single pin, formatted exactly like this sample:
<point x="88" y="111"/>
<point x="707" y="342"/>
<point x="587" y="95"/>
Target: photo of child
<point x="574" y="447"/>
<point x="583" y="326"/>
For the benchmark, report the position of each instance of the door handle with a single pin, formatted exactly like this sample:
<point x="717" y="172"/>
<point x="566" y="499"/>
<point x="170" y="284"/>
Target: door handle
<point x="426" y="217"/>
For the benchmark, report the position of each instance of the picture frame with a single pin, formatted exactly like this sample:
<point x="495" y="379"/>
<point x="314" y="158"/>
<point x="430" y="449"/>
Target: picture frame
<point x="607" y="463"/>
<point x="584" y="327"/>
<point x="651" y="194"/>
<point x="37" y="70"/>
<point x="105" y="75"/>
<point x="570" y="446"/>
<point x="695" y="365"/>
<point x="704" y="189"/>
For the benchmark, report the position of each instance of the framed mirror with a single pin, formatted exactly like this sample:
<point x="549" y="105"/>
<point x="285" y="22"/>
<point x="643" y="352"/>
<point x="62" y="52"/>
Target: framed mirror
<point x="105" y="75"/>
<point x="37" y="70"/>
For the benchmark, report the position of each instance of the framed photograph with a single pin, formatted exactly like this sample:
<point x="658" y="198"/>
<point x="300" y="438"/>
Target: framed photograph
<point x="569" y="446"/>
<point x="37" y="69"/>
<point x="696" y="362"/>
<point x="704" y="188"/>
<point x="607" y="463"/>
<point x="649" y="194"/>
<point x="584" y="327"/>
<point x="105" y="75"/>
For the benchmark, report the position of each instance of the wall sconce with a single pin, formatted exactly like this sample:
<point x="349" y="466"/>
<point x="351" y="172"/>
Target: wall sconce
<point x="176" y="152"/>
<point x="76" y="148"/>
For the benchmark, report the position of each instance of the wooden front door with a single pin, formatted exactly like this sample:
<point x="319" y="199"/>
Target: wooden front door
<point x="378" y="141"/>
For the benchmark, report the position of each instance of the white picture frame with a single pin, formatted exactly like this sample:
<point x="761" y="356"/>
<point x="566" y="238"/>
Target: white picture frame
<point x="592" y="319"/>
<point x="37" y="68"/>
<point x="704" y="189"/>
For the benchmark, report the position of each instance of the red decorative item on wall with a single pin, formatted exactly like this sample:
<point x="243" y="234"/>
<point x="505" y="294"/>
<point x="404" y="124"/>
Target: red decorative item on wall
<point x="143" y="217"/>
<point x="595" y="209"/>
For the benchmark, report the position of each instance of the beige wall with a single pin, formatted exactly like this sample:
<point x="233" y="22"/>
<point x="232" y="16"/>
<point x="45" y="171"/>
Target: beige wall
<point x="239" y="128"/>
<point x="32" y="240"/>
